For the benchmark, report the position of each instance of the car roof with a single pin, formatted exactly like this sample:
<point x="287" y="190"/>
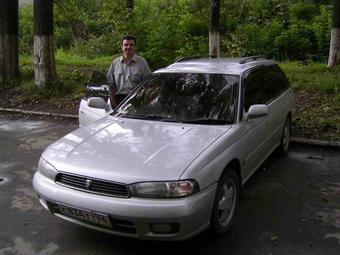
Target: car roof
<point x="234" y="66"/>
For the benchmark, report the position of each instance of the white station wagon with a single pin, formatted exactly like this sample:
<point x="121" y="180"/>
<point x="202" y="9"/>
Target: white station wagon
<point x="169" y="162"/>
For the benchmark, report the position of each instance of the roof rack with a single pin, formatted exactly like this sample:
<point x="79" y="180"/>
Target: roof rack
<point x="194" y="57"/>
<point x="251" y="58"/>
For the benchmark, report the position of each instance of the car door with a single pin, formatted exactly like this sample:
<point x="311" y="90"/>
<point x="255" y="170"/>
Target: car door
<point x="280" y="101"/>
<point x="256" y="140"/>
<point x="89" y="114"/>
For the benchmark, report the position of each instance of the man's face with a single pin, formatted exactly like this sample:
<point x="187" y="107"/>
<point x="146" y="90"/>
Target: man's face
<point x="128" y="48"/>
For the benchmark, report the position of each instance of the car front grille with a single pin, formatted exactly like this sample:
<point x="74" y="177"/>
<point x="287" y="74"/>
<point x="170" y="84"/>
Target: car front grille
<point x="93" y="185"/>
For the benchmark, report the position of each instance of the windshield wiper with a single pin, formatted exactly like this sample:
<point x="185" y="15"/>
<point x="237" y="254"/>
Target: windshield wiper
<point x="160" y="118"/>
<point x="207" y="121"/>
<point x="149" y="117"/>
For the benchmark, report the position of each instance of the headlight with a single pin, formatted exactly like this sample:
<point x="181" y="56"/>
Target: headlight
<point x="170" y="189"/>
<point x="47" y="169"/>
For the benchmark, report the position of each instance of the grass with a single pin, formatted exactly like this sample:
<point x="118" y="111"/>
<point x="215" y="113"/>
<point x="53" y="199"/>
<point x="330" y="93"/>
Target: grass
<point x="313" y="77"/>
<point x="73" y="74"/>
<point x="70" y="59"/>
<point x="318" y="100"/>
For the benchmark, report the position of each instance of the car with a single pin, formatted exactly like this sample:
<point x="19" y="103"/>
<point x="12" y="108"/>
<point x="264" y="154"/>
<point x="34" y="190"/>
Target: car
<point x="170" y="161"/>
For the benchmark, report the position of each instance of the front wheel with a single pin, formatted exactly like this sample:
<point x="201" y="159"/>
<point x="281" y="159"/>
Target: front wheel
<point x="226" y="201"/>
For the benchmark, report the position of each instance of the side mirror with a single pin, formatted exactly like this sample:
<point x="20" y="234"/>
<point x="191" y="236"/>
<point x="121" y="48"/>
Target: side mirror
<point x="97" y="102"/>
<point x="257" y="111"/>
<point x="97" y="86"/>
<point x="94" y="90"/>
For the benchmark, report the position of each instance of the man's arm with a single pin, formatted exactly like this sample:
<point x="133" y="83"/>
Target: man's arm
<point x="145" y="70"/>
<point x="112" y="83"/>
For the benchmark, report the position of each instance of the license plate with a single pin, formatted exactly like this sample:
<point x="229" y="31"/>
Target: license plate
<point x="92" y="217"/>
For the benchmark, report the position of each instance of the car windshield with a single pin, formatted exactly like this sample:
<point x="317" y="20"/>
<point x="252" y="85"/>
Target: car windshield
<point x="184" y="97"/>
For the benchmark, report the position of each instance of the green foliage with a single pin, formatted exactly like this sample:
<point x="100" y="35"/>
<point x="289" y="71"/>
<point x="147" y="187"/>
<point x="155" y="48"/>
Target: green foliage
<point x="73" y="75"/>
<point x="26" y="29"/>
<point x="256" y="39"/>
<point x="313" y="77"/>
<point x="321" y="27"/>
<point x="169" y="29"/>
<point x="62" y="37"/>
<point x="303" y="11"/>
<point x="52" y="90"/>
<point x="295" y="43"/>
<point x="104" y="45"/>
<point x="70" y="59"/>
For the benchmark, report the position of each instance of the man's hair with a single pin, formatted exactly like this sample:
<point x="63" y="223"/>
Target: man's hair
<point x="128" y="37"/>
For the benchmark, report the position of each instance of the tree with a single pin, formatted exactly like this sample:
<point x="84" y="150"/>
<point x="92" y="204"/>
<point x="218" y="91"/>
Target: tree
<point x="44" y="62"/>
<point x="130" y="4"/>
<point x="9" y="63"/>
<point x="214" y="34"/>
<point x="334" y="49"/>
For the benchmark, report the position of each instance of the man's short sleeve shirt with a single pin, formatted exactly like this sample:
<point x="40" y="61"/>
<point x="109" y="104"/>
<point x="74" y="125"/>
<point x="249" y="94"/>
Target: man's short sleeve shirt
<point x="125" y="77"/>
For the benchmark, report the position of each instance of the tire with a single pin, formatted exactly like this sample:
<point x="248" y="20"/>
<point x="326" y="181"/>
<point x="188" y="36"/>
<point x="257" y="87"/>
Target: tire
<point x="225" y="204"/>
<point x="285" y="138"/>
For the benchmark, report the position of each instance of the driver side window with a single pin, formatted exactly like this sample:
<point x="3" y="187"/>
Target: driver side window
<point x="254" y="92"/>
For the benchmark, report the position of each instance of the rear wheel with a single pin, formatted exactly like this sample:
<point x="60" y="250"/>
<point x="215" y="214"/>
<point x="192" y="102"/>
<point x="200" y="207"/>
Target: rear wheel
<point x="285" y="138"/>
<point x="226" y="201"/>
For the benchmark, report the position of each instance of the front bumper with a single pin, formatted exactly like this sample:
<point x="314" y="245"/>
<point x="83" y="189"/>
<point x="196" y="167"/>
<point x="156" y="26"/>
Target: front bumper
<point x="135" y="216"/>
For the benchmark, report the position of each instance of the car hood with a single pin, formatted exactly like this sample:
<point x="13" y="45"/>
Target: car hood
<point x="130" y="150"/>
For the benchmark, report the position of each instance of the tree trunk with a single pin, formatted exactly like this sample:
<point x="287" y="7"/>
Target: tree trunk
<point x="334" y="49"/>
<point x="214" y="34"/>
<point x="9" y="61"/>
<point x="130" y="4"/>
<point x="44" y="63"/>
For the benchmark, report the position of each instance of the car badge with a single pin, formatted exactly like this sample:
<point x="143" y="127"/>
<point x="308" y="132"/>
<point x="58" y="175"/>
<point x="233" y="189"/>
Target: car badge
<point x="88" y="183"/>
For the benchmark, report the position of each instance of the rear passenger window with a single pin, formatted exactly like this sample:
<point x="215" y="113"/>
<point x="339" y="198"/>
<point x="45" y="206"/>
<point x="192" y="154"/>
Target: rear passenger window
<point x="264" y="85"/>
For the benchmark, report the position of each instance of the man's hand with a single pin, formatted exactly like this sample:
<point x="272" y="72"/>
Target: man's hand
<point x="113" y="100"/>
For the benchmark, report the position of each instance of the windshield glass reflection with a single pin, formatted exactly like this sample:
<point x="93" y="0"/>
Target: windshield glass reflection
<point x="184" y="97"/>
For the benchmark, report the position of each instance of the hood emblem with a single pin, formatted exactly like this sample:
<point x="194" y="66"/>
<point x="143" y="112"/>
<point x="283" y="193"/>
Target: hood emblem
<point x="88" y="183"/>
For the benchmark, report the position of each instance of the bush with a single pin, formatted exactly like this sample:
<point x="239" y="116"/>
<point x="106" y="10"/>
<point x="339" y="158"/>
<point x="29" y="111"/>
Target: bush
<point x="26" y="29"/>
<point x="105" y="45"/>
<point x="256" y="40"/>
<point x="321" y="27"/>
<point x="298" y="42"/>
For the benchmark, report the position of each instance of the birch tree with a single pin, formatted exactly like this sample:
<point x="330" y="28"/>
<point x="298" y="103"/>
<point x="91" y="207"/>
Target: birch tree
<point x="334" y="49"/>
<point x="44" y="60"/>
<point x="214" y="34"/>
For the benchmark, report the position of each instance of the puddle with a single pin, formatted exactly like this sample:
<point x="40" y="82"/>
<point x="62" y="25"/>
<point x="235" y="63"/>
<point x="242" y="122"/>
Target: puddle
<point x="332" y="190"/>
<point x="308" y="157"/>
<point x="316" y="157"/>
<point x="6" y="125"/>
<point x="24" y="175"/>
<point x="7" y="165"/>
<point x="333" y="235"/>
<point x="3" y="180"/>
<point x="23" y="247"/>
<point x="31" y="126"/>
<point x="332" y="217"/>
<point x="37" y="143"/>
<point x="25" y="200"/>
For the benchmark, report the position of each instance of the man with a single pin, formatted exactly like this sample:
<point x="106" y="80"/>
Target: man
<point x="126" y="71"/>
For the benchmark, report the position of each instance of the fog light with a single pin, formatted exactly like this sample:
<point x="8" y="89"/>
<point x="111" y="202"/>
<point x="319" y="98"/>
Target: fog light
<point x="164" y="228"/>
